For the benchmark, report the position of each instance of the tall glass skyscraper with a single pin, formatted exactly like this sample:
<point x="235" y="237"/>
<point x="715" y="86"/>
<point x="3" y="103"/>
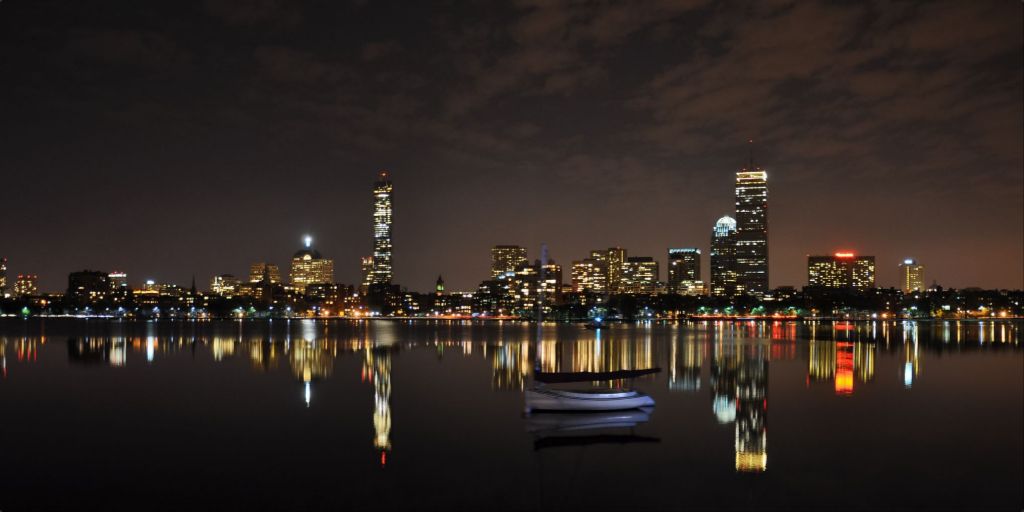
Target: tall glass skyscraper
<point x="382" y="199"/>
<point x="723" y="257"/>
<point x="752" y="231"/>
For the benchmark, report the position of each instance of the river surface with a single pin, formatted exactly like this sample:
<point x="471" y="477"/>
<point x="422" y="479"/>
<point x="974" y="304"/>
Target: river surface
<point x="384" y="414"/>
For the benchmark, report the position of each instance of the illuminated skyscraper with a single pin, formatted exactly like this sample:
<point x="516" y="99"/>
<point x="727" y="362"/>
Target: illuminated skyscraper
<point x="615" y="260"/>
<point x="841" y="270"/>
<point x="640" y="275"/>
<point x="506" y="259"/>
<point x="256" y="271"/>
<point x="723" y="257"/>
<point x="911" y="276"/>
<point x="26" y="285"/>
<point x="683" y="269"/>
<point x="590" y="276"/>
<point x="383" y="193"/>
<point x="309" y="267"/>
<point x="752" y="230"/>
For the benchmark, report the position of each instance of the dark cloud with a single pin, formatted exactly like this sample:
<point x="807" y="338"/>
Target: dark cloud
<point x="892" y="128"/>
<point x="272" y="13"/>
<point x="374" y="51"/>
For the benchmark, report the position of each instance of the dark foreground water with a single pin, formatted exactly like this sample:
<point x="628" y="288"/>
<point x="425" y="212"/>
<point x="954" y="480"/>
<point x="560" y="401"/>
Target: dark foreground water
<point x="390" y="414"/>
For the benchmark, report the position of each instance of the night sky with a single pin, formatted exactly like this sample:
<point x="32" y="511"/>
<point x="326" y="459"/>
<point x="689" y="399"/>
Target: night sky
<point x="168" y="139"/>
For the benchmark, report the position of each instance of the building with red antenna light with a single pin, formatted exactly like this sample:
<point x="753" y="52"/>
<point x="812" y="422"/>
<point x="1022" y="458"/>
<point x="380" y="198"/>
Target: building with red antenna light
<point x="844" y="269"/>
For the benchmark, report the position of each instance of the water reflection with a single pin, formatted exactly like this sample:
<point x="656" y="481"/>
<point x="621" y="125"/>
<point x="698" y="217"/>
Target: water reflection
<point x="89" y="350"/>
<point x="841" y="363"/>
<point x="377" y="368"/>
<point x="841" y="360"/>
<point x="739" y="395"/>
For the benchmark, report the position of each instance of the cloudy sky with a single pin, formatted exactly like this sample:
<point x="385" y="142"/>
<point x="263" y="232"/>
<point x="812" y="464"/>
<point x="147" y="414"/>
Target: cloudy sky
<point x="168" y="139"/>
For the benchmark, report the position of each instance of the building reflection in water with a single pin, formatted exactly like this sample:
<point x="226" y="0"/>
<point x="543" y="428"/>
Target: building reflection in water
<point x="685" y="361"/>
<point x="378" y="343"/>
<point x="222" y="347"/>
<point x="841" y="354"/>
<point x="377" y="368"/>
<point x="510" y="365"/>
<point x="739" y="394"/>
<point x="752" y="411"/>
<point x="92" y="350"/>
<point x="600" y="353"/>
<point x="841" y="362"/>
<point x="310" y="361"/>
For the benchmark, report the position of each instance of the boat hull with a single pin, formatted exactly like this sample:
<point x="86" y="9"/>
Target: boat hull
<point x="564" y="400"/>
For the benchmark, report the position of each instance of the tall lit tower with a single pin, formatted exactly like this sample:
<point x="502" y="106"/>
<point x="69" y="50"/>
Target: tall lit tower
<point x="723" y="257"/>
<point x="752" y="230"/>
<point x="382" y="200"/>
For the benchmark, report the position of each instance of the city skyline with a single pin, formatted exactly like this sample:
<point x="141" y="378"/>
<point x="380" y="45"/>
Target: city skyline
<point x="173" y="131"/>
<point x="309" y="266"/>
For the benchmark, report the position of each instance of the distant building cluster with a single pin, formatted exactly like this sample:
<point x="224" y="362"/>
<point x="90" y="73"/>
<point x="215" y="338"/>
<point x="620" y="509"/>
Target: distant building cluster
<point x="606" y="282"/>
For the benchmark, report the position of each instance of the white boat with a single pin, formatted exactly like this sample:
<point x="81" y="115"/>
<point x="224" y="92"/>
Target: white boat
<point x="547" y="399"/>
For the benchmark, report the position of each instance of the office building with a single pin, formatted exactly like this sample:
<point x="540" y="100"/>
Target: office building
<point x="257" y="271"/>
<point x="26" y="285"/>
<point x="366" y="269"/>
<point x="841" y="270"/>
<point x="640" y="275"/>
<point x="383" y="193"/>
<point x="614" y="259"/>
<point x="911" y="276"/>
<point x="309" y="267"/>
<point x="225" y="285"/>
<point x="88" y="286"/>
<point x="723" y="258"/>
<point x="118" y="280"/>
<point x="752" y="231"/>
<point x="506" y="259"/>
<point x="531" y="281"/>
<point x="683" y="269"/>
<point x="590" y="276"/>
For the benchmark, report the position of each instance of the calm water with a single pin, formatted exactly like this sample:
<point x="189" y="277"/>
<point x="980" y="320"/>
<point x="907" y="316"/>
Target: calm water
<point x="387" y="414"/>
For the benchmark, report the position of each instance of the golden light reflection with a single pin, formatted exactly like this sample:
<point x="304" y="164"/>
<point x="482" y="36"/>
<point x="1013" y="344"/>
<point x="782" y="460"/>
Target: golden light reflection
<point x="377" y="366"/>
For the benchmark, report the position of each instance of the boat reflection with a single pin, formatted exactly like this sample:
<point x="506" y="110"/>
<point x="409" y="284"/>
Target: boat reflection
<point x="548" y="422"/>
<point x="727" y="362"/>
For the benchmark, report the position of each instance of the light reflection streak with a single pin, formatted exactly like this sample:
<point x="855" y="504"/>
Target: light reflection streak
<point x="737" y="353"/>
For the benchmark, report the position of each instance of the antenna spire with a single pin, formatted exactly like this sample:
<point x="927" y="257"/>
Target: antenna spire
<point x="750" y="147"/>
